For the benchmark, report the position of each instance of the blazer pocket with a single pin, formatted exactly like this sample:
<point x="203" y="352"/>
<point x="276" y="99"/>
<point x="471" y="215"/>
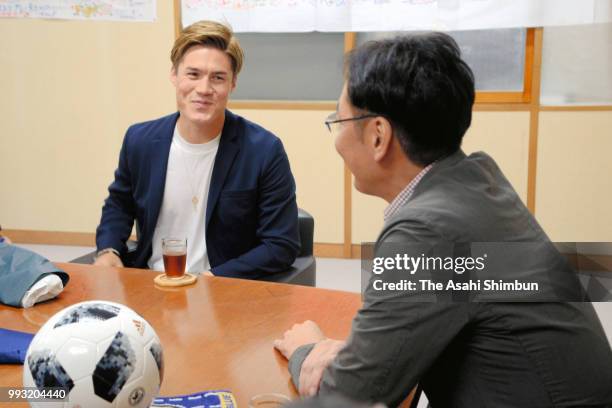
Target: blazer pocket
<point x="237" y="210"/>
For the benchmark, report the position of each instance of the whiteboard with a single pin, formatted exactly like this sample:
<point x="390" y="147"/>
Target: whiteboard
<point x="109" y="10"/>
<point x="392" y="15"/>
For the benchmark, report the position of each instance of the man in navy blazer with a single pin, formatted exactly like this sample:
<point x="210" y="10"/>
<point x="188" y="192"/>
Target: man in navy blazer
<point x="203" y="173"/>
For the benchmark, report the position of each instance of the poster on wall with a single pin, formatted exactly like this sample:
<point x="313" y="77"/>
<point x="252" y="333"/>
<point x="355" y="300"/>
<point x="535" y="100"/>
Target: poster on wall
<point x="109" y="10"/>
<point x="392" y="15"/>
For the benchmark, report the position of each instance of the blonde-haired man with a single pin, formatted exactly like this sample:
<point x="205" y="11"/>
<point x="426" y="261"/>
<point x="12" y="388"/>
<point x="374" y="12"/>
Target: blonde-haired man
<point x="203" y="173"/>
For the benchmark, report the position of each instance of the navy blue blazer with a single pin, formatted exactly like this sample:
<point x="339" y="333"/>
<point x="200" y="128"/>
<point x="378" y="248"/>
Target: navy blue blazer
<point x="251" y="215"/>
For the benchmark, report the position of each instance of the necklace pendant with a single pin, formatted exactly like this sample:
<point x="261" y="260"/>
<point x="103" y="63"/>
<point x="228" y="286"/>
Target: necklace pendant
<point x="195" y="201"/>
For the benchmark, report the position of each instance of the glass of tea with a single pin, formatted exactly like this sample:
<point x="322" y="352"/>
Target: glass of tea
<point x="174" y="251"/>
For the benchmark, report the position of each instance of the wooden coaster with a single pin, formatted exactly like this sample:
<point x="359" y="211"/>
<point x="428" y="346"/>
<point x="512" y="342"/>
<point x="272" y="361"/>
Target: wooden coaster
<point x="163" y="280"/>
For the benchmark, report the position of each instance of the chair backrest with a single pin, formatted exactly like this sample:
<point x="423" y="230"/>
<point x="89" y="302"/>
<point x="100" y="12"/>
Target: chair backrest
<point x="306" y="228"/>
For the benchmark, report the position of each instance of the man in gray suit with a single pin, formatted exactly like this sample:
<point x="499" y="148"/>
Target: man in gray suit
<point x="401" y="117"/>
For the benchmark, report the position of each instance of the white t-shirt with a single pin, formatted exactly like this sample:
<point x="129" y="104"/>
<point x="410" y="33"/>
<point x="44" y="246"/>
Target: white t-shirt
<point x="181" y="216"/>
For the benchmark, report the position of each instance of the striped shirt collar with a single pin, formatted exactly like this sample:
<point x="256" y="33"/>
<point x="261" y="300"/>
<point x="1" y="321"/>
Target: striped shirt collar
<point x="404" y="195"/>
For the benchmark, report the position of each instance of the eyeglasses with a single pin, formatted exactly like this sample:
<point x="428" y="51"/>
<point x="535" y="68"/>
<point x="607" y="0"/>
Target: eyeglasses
<point x="333" y="119"/>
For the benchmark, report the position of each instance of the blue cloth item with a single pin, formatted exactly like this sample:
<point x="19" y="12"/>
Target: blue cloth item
<point x="13" y="346"/>
<point x="203" y="399"/>
<point x="20" y="269"/>
<point x="251" y="212"/>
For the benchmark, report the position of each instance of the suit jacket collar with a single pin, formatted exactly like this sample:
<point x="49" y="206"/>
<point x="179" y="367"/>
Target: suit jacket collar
<point x="426" y="183"/>
<point x="159" y="153"/>
<point x="229" y="146"/>
<point x="438" y="167"/>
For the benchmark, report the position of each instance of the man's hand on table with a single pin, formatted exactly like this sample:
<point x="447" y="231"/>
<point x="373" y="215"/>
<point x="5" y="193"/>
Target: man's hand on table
<point x="323" y="353"/>
<point x="299" y="335"/>
<point x="109" y="259"/>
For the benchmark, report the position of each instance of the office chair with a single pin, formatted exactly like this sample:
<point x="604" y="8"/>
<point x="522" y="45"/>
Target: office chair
<point x="303" y="271"/>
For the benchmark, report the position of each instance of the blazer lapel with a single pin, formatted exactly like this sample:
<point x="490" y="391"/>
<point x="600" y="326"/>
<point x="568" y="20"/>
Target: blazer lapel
<point x="159" y="153"/>
<point x="228" y="148"/>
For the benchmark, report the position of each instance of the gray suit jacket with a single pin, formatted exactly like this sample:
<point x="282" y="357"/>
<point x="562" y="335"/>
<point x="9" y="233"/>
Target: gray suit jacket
<point x="465" y="354"/>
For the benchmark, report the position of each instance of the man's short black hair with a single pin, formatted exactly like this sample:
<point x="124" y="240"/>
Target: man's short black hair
<point x="421" y="85"/>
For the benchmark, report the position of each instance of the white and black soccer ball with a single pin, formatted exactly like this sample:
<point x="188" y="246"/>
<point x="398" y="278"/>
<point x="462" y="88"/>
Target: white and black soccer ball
<point x="103" y="353"/>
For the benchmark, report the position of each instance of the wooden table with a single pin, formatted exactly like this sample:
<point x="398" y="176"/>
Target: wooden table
<point x="216" y="334"/>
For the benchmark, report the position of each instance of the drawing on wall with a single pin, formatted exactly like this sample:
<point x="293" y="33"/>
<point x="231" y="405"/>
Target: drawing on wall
<point x="110" y="10"/>
<point x="389" y="15"/>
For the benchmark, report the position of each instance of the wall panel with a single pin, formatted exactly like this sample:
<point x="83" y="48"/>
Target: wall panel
<point x="574" y="178"/>
<point x="70" y="89"/>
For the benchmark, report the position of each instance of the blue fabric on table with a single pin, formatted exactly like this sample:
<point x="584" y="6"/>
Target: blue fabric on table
<point x="202" y="399"/>
<point x="20" y="269"/>
<point x="13" y="346"/>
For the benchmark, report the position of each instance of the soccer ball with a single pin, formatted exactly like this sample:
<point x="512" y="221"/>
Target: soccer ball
<point x="102" y="353"/>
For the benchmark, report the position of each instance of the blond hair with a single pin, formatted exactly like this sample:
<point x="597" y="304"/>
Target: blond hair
<point x="209" y="34"/>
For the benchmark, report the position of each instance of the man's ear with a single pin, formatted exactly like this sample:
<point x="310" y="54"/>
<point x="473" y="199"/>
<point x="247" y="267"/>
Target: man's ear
<point x="234" y="80"/>
<point x="173" y="76"/>
<point x="382" y="137"/>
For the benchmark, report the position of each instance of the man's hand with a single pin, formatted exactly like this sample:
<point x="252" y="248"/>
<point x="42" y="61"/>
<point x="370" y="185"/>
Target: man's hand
<point x="109" y="259"/>
<point x="299" y="335"/>
<point x="317" y="361"/>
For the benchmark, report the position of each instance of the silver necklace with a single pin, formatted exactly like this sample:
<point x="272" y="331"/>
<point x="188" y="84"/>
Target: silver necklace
<point x="194" y="191"/>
